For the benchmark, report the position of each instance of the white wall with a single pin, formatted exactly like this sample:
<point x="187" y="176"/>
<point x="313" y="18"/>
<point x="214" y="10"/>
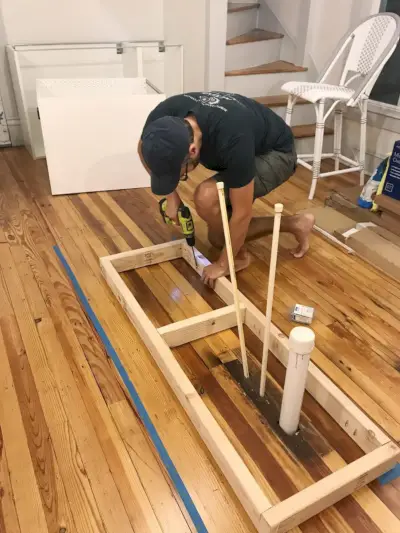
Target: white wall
<point x="286" y="17"/>
<point x="46" y="21"/>
<point x="6" y="90"/>
<point x="42" y="21"/>
<point x="216" y="34"/>
<point x="330" y="21"/>
<point x="185" y="22"/>
<point x="313" y="28"/>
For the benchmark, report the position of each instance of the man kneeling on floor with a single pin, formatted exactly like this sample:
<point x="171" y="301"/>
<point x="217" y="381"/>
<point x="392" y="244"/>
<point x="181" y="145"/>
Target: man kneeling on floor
<point x="251" y="150"/>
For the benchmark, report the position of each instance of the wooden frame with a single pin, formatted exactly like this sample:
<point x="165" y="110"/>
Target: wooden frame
<point x="381" y="453"/>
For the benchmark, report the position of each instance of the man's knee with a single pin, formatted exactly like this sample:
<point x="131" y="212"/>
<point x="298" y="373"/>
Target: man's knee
<point x="206" y="197"/>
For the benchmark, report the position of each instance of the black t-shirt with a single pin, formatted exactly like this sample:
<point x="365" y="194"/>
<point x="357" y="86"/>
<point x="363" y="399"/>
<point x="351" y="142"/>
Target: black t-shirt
<point x="235" y="129"/>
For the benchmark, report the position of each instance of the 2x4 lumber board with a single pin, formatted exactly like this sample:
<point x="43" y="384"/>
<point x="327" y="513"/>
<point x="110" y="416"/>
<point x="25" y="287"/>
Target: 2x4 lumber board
<point x="231" y="464"/>
<point x="298" y="508"/>
<point x="153" y="255"/>
<point x="200" y="326"/>
<point x="364" y="432"/>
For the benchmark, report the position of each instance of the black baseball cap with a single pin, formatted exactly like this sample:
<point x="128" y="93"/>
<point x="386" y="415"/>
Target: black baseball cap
<point x="165" y="144"/>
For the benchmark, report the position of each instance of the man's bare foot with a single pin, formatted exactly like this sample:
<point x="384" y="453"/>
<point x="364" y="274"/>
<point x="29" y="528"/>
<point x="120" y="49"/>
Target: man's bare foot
<point x="242" y="260"/>
<point x="302" y="228"/>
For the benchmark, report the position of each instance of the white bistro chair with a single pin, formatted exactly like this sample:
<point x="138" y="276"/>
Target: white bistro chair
<point x="363" y="52"/>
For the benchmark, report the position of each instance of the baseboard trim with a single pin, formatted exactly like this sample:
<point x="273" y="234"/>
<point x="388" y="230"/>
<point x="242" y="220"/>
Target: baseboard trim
<point x="15" y="129"/>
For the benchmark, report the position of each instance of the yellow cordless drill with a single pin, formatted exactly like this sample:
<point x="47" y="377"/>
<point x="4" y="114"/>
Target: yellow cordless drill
<point x="185" y="221"/>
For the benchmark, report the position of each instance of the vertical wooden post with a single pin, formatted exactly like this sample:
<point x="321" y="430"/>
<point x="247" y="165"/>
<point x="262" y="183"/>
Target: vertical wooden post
<point x="232" y="272"/>
<point x="270" y="295"/>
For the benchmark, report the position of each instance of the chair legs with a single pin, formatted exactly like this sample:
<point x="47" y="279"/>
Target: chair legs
<point x="350" y="165"/>
<point x="319" y="138"/>
<point x="337" y="147"/>
<point x="363" y="137"/>
<point x="289" y="110"/>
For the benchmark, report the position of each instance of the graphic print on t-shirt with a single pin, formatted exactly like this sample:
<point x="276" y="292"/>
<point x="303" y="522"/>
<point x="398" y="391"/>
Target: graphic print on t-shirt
<point x="214" y="99"/>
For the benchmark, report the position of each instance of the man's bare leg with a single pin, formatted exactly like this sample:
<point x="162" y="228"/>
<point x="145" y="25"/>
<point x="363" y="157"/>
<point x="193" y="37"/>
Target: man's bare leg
<point x="207" y="205"/>
<point x="298" y="225"/>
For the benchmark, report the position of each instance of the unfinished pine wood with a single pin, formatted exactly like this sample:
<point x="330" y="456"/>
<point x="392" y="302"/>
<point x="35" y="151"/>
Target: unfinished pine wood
<point x="267" y="68"/>
<point x="128" y="261"/>
<point x="254" y="36"/>
<point x="359" y="327"/>
<point x="294" y="510"/>
<point x="200" y="326"/>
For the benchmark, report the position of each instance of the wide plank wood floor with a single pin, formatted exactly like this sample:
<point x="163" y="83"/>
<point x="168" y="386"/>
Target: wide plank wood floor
<point x="75" y="457"/>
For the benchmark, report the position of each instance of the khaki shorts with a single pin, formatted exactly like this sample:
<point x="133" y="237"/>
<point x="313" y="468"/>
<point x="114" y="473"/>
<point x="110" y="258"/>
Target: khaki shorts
<point x="272" y="169"/>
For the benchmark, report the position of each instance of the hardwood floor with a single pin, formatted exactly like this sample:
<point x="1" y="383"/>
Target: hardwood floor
<point x="75" y="457"/>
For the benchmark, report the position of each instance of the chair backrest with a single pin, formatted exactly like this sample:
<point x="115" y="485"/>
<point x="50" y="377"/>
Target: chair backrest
<point x="368" y="48"/>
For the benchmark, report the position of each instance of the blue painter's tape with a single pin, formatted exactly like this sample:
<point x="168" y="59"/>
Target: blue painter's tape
<point x="162" y="452"/>
<point x="390" y="476"/>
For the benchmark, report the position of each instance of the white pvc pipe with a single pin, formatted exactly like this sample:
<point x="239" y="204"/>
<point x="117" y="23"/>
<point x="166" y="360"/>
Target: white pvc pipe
<point x="301" y="344"/>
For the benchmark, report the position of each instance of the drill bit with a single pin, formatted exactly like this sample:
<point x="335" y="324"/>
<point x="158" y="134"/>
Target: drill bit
<point x="194" y="256"/>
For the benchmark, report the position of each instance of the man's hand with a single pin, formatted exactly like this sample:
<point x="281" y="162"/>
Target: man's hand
<point x="212" y="272"/>
<point x="173" y="204"/>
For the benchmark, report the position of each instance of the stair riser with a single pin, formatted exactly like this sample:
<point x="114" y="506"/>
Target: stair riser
<point x="261" y="84"/>
<point x="241" y="22"/>
<point x="247" y="55"/>
<point x="306" y="146"/>
<point x="303" y="114"/>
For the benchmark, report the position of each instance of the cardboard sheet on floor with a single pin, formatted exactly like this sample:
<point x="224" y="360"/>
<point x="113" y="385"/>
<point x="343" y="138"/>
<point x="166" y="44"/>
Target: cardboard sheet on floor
<point x="390" y="217"/>
<point x="388" y="204"/>
<point x="376" y="250"/>
<point x="329" y="220"/>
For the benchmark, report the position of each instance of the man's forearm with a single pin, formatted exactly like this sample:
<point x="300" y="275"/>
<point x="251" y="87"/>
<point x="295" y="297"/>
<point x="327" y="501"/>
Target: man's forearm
<point x="238" y="227"/>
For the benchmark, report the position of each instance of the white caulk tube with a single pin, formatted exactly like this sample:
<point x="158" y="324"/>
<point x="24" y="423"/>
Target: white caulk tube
<point x="301" y="344"/>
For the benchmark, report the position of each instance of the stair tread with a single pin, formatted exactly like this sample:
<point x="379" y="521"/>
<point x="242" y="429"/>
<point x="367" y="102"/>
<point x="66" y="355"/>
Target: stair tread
<point x="308" y="130"/>
<point x="254" y="36"/>
<point x="267" y="68"/>
<point x="278" y="100"/>
<point x="235" y="8"/>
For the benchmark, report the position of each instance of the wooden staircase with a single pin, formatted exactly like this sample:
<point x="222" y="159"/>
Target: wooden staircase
<point x="255" y="68"/>
<point x="255" y="35"/>
<point x="236" y="8"/>
<point x="276" y="67"/>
